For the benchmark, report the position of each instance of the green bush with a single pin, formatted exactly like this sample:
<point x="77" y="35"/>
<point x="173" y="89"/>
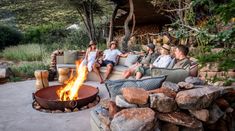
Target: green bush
<point x="9" y="36"/>
<point x="77" y="39"/>
<point x="225" y="58"/>
<point x="45" y="34"/>
<point x="28" y="52"/>
<point x="27" y="69"/>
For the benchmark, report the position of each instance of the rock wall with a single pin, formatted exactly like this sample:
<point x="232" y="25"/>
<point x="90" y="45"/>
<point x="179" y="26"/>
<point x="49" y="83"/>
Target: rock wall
<point x="188" y="105"/>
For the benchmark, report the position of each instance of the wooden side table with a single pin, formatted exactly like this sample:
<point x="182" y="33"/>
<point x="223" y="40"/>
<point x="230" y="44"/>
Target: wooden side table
<point x="63" y="74"/>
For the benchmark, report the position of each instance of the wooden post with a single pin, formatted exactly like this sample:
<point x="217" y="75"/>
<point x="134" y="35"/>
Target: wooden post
<point x="41" y="79"/>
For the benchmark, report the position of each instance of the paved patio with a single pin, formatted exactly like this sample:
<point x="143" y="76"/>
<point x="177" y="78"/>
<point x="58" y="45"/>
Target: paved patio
<point x="17" y="114"/>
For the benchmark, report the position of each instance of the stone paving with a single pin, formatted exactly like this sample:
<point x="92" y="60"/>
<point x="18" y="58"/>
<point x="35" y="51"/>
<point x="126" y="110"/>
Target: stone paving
<point x="17" y="114"/>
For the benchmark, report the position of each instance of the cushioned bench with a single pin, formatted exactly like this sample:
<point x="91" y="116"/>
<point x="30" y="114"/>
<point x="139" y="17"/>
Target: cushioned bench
<point x="116" y="74"/>
<point x="173" y="75"/>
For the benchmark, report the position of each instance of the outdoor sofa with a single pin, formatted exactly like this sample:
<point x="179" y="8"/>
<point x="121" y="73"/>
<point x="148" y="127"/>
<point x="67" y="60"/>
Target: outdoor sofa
<point x="174" y="75"/>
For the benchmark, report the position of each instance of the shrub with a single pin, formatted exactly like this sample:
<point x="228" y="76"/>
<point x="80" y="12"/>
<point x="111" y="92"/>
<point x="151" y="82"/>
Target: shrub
<point x="77" y="39"/>
<point x="226" y="58"/>
<point x="27" y="69"/>
<point x="28" y="52"/>
<point x="45" y="34"/>
<point x="9" y="36"/>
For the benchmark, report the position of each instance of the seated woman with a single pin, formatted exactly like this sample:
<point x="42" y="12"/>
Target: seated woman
<point x="162" y="61"/>
<point x="147" y="59"/>
<point x="91" y="55"/>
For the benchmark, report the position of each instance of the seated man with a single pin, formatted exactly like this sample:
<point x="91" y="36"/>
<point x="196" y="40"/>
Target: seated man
<point x="110" y="59"/>
<point x="182" y="61"/>
<point x="148" y="58"/>
<point x="162" y="61"/>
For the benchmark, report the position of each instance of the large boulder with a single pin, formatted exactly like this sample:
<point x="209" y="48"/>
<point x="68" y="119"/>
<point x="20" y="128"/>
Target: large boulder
<point x="215" y="114"/>
<point x="103" y="117"/>
<point x="134" y="119"/>
<point x="202" y="114"/>
<point x="199" y="98"/>
<point x="172" y="86"/>
<point x="194" y="80"/>
<point x="121" y="102"/>
<point x="185" y="85"/>
<point x="165" y="91"/>
<point x="180" y="118"/>
<point x="135" y="95"/>
<point x="169" y="127"/>
<point x="162" y="103"/>
<point x="113" y="109"/>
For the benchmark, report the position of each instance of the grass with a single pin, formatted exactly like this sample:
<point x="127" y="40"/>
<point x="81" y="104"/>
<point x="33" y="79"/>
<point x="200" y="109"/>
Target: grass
<point x="26" y="69"/>
<point x="29" y="52"/>
<point x="37" y="12"/>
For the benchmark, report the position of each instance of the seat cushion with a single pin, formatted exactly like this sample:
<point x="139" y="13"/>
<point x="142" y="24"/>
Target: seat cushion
<point x="114" y="86"/>
<point x="173" y="75"/>
<point x="131" y="59"/>
<point x="70" y="57"/>
<point x="116" y="69"/>
<point x="59" y="59"/>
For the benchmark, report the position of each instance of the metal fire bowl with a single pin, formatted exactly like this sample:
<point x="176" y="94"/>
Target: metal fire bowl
<point x="48" y="99"/>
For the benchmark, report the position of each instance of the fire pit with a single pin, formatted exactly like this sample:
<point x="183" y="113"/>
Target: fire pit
<point x="73" y="94"/>
<point x="48" y="99"/>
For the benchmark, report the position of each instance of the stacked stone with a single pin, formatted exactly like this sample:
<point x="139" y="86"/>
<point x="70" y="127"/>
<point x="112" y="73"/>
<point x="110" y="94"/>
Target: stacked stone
<point x="211" y="71"/>
<point x="52" y="70"/>
<point x="188" y="105"/>
<point x="53" y="58"/>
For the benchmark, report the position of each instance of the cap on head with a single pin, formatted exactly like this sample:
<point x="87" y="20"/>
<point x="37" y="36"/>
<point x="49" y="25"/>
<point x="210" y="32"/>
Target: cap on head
<point x="151" y="46"/>
<point x="92" y="43"/>
<point x="166" y="47"/>
<point x="113" y="42"/>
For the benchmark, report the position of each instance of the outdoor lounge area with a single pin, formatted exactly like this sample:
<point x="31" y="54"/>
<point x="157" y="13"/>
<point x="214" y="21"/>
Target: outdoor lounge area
<point x="117" y="65"/>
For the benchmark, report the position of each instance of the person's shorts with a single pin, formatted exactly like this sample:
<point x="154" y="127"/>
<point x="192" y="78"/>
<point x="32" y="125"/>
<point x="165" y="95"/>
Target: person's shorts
<point x="106" y="62"/>
<point x="143" y="70"/>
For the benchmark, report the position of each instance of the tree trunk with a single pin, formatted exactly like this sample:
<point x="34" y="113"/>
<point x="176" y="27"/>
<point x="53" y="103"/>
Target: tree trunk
<point x="85" y="22"/>
<point x="93" y="32"/>
<point x="133" y="26"/>
<point x="126" y="27"/>
<point x="110" y="38"/>
<point x="180" y="12"/>
<point x="88" y="22"/>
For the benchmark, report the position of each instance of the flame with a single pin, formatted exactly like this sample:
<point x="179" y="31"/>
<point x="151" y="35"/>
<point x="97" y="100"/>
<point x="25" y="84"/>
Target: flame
<point x="73" y="84"/>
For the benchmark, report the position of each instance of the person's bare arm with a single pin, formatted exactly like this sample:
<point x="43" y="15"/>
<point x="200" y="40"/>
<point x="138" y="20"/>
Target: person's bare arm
<point x="124" y="55"/>
<point x="86" y="55"/>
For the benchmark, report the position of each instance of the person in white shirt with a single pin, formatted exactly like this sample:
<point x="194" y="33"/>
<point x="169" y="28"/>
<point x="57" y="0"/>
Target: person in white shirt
<point x="110" y="59"/>
<point x="162" y="61"/>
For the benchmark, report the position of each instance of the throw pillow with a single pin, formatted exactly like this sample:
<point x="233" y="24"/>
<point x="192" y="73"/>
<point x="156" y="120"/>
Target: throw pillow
<point x="173" y="75"/>
<point x="131" y="59"/>
<point x="70" y="57"/>
<point x="114" y="86"/>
